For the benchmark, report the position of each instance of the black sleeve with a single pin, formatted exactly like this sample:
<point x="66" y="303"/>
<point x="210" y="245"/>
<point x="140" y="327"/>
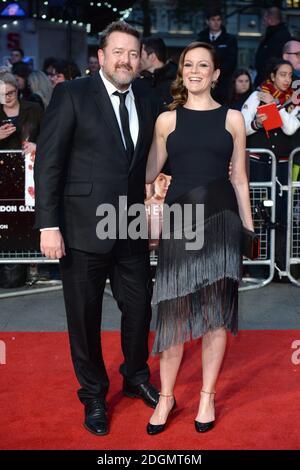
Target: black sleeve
<point x="53" y="147"/>
<point x="231" y="59"/>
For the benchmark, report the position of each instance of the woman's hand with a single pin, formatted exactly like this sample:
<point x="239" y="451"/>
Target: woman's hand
<point x="6" y="130"/>
<point x="259" y="119"/>
<point x="29" y="147"/>
<point x="265" y="97"/>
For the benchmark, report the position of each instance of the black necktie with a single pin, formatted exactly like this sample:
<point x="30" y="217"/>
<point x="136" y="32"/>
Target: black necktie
<point x="124" y="116"/>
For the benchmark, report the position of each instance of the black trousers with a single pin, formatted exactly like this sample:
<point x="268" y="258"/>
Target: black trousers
<point x="84" y="276"/>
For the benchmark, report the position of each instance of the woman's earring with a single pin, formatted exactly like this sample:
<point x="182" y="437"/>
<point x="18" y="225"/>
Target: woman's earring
<point x="213" y="84"/>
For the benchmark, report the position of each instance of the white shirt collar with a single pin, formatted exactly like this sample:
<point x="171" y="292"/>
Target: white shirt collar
<point x="110" y="87"/>
<point x="215" y="35"/>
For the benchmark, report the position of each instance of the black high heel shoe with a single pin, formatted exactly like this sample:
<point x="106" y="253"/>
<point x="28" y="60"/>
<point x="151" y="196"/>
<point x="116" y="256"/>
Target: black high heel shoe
<point x="153" y="429"/>
<point x="204" y="427"/>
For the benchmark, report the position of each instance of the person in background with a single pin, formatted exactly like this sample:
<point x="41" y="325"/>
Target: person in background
<point x="157" y="73"/>
<point x="41" y="88"/>
<point x="275" y="89"/>
<point x="48" y="66"/>
<point x="22" y="72"/>
<point x="16" y="56"/>
<point x="226" y="48"/>
<point x="240" y="89"/>
<point x="93" y="65"/>
<point x="19" y="128"/>
<point x="64" y="70"/>
<point x="291" y="52"/>
<point x="271" y="45"/>
<point x="22" y="119"/>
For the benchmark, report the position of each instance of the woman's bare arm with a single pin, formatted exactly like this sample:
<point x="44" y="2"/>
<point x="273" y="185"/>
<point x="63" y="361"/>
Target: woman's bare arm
<point x="165" y="124"/>
<point x="239" y="180"/>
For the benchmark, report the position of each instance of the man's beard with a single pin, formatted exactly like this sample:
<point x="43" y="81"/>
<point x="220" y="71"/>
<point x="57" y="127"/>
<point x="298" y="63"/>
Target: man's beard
<point x="117" y="80"/>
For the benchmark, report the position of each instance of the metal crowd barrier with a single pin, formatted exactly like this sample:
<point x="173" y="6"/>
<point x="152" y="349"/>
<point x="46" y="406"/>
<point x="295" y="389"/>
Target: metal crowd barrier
<point x="293" y="223"/>
<point x="263" y="206"/>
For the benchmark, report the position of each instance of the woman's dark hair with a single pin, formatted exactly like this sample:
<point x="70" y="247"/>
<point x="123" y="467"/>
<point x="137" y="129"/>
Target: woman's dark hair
<point x="178" y="90"/>
<point x="48" y="62"/>
<point x="21" y="69"/>
<point x="70" y="70"/>
<point x="232" y="95"/>
<point x="273" y="66"/>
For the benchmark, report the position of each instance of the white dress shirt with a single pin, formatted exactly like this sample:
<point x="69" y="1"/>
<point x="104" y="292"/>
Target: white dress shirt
<point x="132" y="112"/>
<point x="130" y="105"/>
<point x="214" y="36"/>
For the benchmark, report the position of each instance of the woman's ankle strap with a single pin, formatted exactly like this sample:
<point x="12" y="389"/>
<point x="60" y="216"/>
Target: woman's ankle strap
<point x="208" y="393"/>
<point x="164" y="395"/>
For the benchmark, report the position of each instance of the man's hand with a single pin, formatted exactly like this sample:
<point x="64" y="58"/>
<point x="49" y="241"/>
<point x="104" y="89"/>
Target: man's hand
<point x="52" y="244"/>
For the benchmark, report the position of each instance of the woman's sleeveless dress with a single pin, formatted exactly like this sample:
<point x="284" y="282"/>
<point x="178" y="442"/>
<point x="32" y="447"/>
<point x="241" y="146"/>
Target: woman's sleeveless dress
<point x="196" y="291"/>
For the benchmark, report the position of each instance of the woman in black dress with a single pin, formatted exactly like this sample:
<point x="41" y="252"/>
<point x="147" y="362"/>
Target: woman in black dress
<point x="196" y="291"/>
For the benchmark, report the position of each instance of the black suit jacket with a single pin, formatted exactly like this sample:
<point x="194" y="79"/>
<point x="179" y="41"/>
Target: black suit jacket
<point x="81" y="162"/>
<point x="271" y="46"/>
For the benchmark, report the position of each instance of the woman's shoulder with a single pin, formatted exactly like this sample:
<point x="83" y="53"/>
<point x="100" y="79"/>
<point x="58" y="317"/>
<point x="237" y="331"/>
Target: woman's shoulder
<point x="166" y="121"/>
<point x="234" y="116"/>
<point x="167" y="116"/>
<point x="235" y="122"/>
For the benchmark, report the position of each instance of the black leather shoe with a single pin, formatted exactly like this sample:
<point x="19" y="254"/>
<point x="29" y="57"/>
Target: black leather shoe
<point x="153" y="429"/>
<point x="145" y="391"/>
<point x="204" y="427"/>
<point x="96" y="420"/>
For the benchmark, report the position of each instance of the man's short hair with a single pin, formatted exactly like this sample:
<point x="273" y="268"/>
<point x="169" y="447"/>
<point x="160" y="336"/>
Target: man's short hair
<point x="120" y="27"/>
<point x="212" y="13"/>
<point x="288" y="45"/>
<point x="157" y="46"/>
<point x="275" y="13"/>
<point x="17" y="49"/>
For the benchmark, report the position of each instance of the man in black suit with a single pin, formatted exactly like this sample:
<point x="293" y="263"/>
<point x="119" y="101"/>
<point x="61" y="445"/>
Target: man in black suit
<point x="93" y="149"/>
<point x="272" y="43"/>
<point x="226" y="48"/>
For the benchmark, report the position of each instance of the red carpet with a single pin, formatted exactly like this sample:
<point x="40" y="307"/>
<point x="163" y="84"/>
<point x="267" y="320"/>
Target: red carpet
<point x="258" y="397"/>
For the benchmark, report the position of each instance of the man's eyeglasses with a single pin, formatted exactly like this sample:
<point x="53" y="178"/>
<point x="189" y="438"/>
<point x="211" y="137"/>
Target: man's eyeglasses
<point x="294" y="53"/>
<point x="9" y="94"/>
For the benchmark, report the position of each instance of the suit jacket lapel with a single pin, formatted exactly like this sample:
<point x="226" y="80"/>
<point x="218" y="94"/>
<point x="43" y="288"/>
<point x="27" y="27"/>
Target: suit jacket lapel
<point x="104" y="104"/>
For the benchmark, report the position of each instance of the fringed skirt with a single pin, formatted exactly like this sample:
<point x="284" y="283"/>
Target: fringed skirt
<point x="196" y="291"/>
